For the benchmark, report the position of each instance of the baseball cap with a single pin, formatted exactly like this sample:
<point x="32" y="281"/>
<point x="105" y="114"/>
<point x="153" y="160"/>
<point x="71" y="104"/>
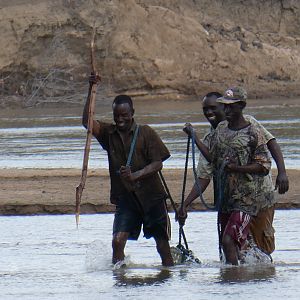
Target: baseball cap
<point x="233" y="95"/>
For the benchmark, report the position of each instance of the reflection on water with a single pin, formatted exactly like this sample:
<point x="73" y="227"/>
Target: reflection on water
<point x="128" y="277"/>
<point x="247" y="273"/>
<point x="54" y="138"/>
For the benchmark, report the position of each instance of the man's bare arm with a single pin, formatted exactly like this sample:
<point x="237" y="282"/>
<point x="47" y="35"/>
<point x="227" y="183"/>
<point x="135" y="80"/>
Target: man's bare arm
<point x="194" y="194"/>
<point x="148" y="170"/>
<point x="189" y="130"/>
<point x="254" y="168"/>
<point x="282" y="181"/>
<point x="85" y="114"/>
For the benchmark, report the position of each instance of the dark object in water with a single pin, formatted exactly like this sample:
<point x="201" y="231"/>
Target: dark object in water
<point x="182" y="255"/>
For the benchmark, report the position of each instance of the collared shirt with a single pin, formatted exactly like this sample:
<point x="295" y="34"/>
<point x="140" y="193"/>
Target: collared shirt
<point x="244" y="192"/>
<point x="148" y="149"/>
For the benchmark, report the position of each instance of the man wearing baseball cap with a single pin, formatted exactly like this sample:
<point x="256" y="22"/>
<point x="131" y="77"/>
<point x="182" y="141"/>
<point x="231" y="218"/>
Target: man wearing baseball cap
<point x="262" y="231"/>
<point x="242" y="146"/>
<point x="233" y="95"/>
<point x="261" y="222"/>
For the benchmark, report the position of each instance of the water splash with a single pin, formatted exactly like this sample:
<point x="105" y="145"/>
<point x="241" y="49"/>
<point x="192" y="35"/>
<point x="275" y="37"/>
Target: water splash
<point x="122" y="264"/>
<point x="181" y="255"/>
<point x="98" y="257"/>
<point x="254" y="256"/>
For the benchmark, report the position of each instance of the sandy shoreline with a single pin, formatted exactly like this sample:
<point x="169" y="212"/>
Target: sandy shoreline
<point x="52" y="191"/>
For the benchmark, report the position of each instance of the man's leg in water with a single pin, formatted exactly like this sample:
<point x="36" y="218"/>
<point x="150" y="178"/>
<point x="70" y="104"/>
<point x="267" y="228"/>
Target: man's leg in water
<point x="118" y="245"/>
<point x="127" y="225"/>
<point x="234" y="235"/>
<point x="230" y="250"/>
<point x="163" y="248"/>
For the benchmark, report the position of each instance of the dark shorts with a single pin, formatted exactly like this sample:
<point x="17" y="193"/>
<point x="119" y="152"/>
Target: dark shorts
<point x="236" y="225"/>
<point x="130" y="218"/>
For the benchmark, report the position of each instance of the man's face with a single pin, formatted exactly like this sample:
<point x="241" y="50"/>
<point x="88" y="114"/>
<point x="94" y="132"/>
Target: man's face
<point x="213" y="111"/>
<point x="233" y="111"/>
<point x="123" y="115"/>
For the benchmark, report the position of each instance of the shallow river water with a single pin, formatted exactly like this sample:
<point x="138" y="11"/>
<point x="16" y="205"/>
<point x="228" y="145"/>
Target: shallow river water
<point x="46" y="257"/>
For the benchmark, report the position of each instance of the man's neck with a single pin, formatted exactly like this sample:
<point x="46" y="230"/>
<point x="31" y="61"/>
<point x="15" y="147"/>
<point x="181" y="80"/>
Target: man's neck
<point x="238" y="123"/>
<point x="214" y="126"/>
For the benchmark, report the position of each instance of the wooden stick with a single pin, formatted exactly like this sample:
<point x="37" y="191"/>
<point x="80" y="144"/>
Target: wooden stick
<point x="80" y="187"/>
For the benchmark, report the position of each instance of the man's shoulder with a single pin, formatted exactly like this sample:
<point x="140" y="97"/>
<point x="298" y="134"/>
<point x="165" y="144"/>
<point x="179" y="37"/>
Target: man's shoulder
<point x="148" y="134"/>
<point x="146" y="129"/>
<point x="254" y="123"/>
<point x="221" y="126"/>
<point x="106" y="125"/>
<point x="250" y="119"/>
<point x="105" y="128"/>
<point x="152" y="141"/>
<point x="208" y="135"/>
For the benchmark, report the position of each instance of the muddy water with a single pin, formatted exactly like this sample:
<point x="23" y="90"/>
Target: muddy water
<point x="54" y="138"/>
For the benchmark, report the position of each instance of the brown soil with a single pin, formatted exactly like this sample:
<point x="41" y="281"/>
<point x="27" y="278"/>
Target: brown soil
<point x="148" y="48"/>
<point x="30" y="192"/>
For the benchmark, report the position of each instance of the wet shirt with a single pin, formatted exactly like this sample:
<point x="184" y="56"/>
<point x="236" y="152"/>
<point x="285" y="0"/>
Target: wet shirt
<point x="244" y="192"/>
<point x="149" y="148"/>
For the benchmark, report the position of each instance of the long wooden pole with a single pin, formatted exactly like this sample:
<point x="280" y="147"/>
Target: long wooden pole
<point x="80" y="187"/>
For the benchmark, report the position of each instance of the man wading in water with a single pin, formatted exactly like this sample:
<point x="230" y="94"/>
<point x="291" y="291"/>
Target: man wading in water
<point x="261" y="225"/>
<point x="136" y="189"/>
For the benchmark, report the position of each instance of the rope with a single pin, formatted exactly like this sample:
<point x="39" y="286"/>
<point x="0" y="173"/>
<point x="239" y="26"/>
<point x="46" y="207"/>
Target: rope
<point x="181" y="233"/>
<point x="132" y="146"/>
<point x="220" y="180"/>
<point x="195" y="174"/>
<point x="219" y="237"/>
<point x="187" y="255"/>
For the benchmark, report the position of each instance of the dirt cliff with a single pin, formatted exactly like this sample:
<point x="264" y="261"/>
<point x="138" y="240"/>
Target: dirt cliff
<point x="147" y="48"/>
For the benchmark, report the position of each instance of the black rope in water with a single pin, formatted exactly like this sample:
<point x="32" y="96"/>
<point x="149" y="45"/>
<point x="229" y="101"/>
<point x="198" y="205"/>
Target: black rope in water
<point x="219" y="182"/>
<point x="219" y="237"/>
<point x="196" y="176"/>
<point x="181" y="233"/>
<point x="186" y="254"/>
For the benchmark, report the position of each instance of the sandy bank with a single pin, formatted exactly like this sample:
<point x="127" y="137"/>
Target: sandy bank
<point x="30" y="192"/>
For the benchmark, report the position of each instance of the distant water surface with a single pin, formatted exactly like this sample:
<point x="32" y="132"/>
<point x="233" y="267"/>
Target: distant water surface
<point x="54" y="137"/>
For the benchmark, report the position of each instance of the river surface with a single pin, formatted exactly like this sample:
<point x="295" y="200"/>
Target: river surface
<point x="46" y="257"/>
<point x="54" y="137"/>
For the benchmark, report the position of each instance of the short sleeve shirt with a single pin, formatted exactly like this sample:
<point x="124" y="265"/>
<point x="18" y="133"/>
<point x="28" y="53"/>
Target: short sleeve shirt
<point x="266" y="135"/>
<point x="149" y="148"/>
<point x="204" y="168"/>
<point x="244" y="192"/>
